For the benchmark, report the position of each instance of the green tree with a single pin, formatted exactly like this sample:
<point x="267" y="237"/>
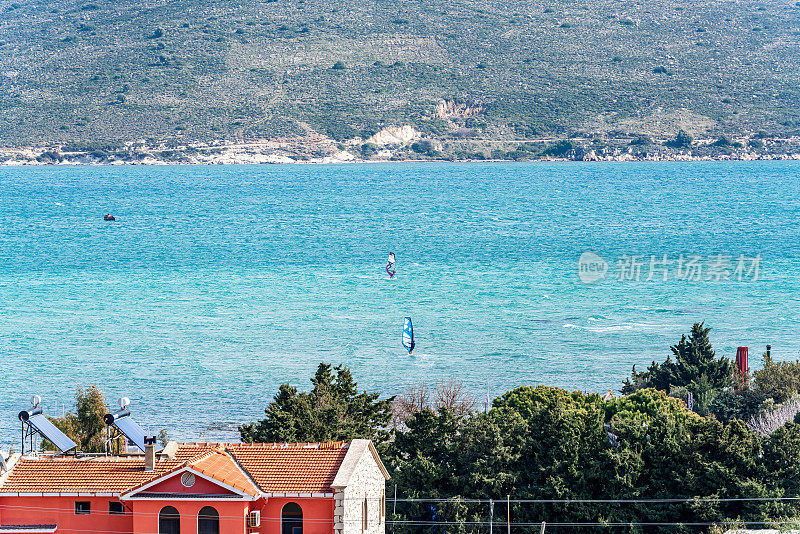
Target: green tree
<point x="772" y="386"/>
<point x="369" y="149"/>
<point x="560" y="150"/>
<point x="779" y="381"/>
<point x="695" y="368"/>
<point x="682" y="140"/>
<point x="781" y="464"/>
<point x="742" y="404"/>
<point x="85" y="427"/>
<point x="333" y="410"/>
<point x="546" y="443"/>
<point x="445" y="455"/>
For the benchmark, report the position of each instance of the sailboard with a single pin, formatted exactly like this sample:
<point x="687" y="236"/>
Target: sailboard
<point x="408" y="335"/>
<point x="391" y="266"/>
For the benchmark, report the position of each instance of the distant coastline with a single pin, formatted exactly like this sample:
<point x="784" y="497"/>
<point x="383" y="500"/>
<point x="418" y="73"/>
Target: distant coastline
<point x="407" y="148"/>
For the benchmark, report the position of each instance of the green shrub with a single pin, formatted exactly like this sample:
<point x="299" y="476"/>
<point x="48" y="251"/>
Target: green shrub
<point x="560" y="149"/>
<point x="779" y="381"/>
<point x="425" y="147"/>
<point x="339" y="65"/>
<point x="368" y="150"/>
<point x="722" y="141"/>
<point x="682" y="140"/>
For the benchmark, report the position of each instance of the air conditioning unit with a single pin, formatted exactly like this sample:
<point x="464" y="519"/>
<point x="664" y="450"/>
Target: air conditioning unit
<point x="254" y="519"/>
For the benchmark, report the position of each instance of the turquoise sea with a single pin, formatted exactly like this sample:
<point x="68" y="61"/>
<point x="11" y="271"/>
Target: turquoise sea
<point x="216" y="284"/>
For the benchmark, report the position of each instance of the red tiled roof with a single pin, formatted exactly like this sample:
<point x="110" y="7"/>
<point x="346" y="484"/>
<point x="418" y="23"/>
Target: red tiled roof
<point x="220" y="466"/>
<point x="275" y="468"/>
<point x="94" y="475"/>
<point x="291" y="468"/>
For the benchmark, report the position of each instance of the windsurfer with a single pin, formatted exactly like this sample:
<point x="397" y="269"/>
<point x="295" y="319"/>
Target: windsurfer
<point x="408" y="335"/>
<point x="391" y="267"/>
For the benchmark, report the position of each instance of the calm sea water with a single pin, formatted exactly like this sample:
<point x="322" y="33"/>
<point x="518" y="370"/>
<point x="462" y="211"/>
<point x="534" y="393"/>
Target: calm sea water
<point x="216" y="284"/>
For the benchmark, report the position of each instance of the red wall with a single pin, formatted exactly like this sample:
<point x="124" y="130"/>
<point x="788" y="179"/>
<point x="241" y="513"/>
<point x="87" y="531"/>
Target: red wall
<point x="61" y="511"/>
<point x="141" y="517"/>
<point x="317" y="515"/>
<point x="232" y="515"/>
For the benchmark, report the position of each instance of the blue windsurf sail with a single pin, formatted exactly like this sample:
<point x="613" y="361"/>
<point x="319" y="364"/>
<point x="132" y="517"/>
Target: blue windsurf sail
<point x="408" y="335"/>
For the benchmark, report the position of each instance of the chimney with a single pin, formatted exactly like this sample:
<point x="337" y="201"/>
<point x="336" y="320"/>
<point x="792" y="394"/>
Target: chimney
<point x="149" y="453"/>
<point x="743" y="364"/>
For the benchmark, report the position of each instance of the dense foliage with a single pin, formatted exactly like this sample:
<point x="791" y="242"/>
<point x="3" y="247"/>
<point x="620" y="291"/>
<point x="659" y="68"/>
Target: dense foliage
<point x="547" y="443"/>
<point x="332" y="410"/>
<point x="765" y="400"/>
<point x="779" y="381"/>
<point x="696" y="369"/>
<point x="540" y="444"/>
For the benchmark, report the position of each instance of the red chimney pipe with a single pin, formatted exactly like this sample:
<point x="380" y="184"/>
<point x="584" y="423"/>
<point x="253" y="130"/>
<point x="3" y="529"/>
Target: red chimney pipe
<point x="742" y="364"/>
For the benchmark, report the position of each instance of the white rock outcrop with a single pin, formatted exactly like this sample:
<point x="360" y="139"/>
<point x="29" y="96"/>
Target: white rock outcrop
<point x="395" y="135"/>
<point x="448" y="109"/>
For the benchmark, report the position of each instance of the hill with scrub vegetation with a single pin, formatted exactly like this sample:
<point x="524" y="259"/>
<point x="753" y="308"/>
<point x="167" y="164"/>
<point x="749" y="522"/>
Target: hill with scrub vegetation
<point x="471" y="78"/>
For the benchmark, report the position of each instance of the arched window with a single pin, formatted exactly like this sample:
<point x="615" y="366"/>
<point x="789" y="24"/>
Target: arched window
<point x="208" y="521"/>
<point x="292" y="519"/>
<point x="169" y="521"/>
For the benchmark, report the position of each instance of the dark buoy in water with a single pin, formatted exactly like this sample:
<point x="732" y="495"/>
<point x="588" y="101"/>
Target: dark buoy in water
<point x="109" y="217"/>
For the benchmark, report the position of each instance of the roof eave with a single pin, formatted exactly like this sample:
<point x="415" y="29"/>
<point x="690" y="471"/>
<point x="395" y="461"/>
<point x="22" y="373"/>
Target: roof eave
<point x="313" y="495"/>
<point x="245" y="495"/>
<point x="356" y="451"/>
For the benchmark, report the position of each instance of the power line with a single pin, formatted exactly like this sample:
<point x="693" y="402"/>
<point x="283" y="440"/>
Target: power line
<point x="596" y="501"/>
<point x="600" y="524"/>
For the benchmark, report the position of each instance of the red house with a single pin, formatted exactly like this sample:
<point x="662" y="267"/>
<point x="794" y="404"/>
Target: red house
<point x="199" y="488"/>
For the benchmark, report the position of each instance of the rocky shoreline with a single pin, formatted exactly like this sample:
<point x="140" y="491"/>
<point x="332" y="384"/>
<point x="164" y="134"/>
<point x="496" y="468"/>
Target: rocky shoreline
<point x="405" y="144"/>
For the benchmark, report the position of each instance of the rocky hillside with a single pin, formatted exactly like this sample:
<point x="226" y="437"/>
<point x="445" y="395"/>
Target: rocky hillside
<point x="94" y="73"/>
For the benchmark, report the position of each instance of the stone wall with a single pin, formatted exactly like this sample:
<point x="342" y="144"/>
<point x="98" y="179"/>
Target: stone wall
<point x="361" y="505"/>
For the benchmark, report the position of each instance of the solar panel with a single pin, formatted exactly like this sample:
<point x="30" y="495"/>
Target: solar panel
<point x="132" y="431"/>
<point x="51" y="433"/>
